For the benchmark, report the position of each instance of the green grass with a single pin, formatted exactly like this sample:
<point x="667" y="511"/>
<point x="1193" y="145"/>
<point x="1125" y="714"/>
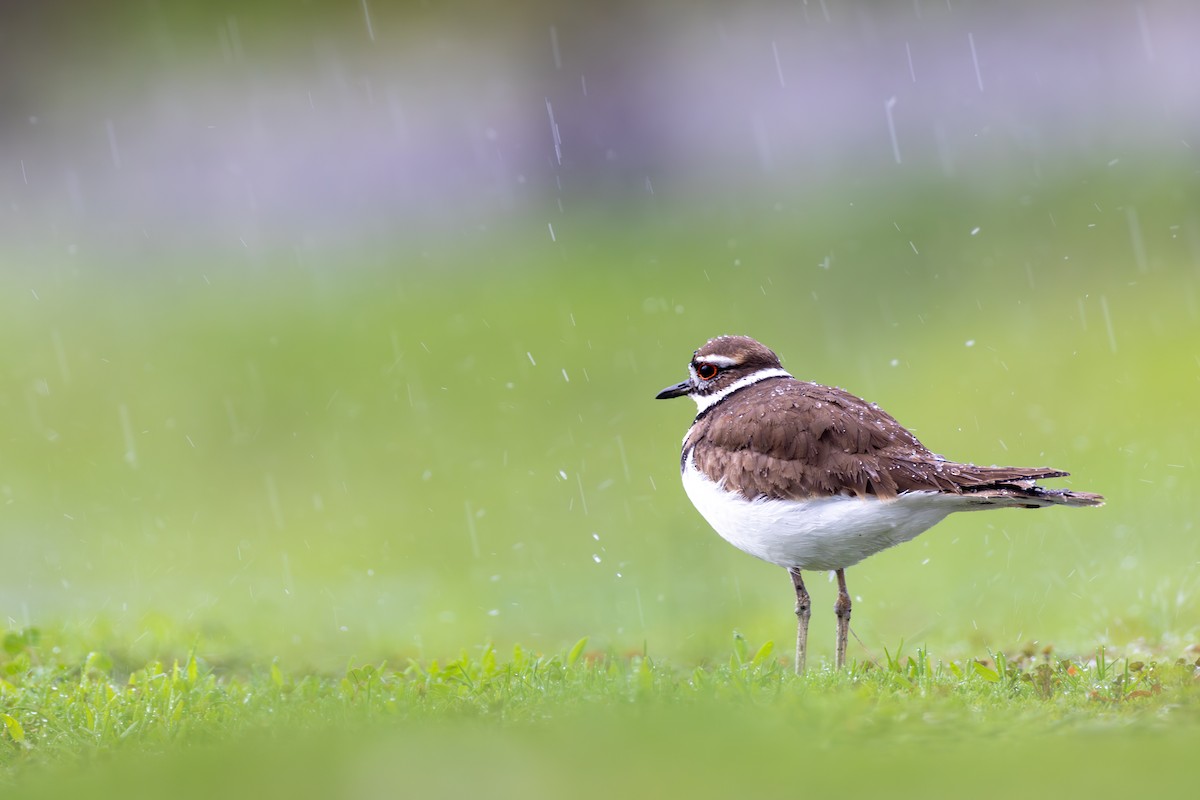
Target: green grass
<point x="530" y="722"/>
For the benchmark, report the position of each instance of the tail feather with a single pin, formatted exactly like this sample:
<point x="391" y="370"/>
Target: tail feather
<point x="1033" y="496"/>
<point x="970" y="475"/>
<point x="1016" y="487"/>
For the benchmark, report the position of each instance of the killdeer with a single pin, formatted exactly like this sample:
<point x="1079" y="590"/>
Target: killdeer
<point x="811" y="477"/>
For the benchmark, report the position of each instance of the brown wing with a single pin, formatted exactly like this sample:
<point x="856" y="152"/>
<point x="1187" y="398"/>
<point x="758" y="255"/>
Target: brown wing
<point x="791" y="439"/>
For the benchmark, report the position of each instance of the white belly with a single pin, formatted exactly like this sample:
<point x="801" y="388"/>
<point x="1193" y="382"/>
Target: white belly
<point x="823" y="533"/>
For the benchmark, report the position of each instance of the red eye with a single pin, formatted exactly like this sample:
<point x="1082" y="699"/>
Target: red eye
<point x="706" y="372"/>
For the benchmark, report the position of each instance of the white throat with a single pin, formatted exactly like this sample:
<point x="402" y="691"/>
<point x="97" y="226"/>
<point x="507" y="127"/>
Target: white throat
<point x="708" y="400"/>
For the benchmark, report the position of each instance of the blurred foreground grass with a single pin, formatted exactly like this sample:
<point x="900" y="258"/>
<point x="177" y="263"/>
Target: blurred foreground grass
<point x="592" y="724"/>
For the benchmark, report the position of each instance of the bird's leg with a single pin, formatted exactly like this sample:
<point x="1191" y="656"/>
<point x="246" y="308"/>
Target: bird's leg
<point x="803" y="609"/>
<point x="842" y="610"/>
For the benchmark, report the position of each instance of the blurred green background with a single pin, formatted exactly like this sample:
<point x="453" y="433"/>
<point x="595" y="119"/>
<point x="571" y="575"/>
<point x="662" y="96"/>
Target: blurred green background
<point x="333" y="328"/>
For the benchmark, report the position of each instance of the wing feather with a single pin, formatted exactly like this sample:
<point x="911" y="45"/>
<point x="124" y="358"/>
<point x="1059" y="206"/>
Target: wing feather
<point x="789" y="439"/>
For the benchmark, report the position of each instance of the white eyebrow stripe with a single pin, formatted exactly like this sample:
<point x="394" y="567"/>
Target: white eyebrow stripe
<point x="719" y="361"/>
<point x="708" y="401"/>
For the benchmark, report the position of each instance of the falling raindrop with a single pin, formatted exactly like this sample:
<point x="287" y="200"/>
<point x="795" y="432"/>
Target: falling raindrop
<point x="778" y="65"/>
<point x="367" y="17"/>
<point x="554" y="47"/>
<point x="555" y="134"/>
<point x="127" y="431"/>
<point x="624" y="460"/>
<point x="111" y="130"/>
<point x="1135" y="236"/>
<point x="582" y="499"/>
<point x="975" y="61"/>
<point x="1144" y="29"/>
<point x="891" y="123"/>
<point x="1112" y="336"/>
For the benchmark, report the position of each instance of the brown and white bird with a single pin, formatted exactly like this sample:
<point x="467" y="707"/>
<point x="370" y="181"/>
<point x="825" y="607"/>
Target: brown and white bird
<point x="811" y="477"/>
